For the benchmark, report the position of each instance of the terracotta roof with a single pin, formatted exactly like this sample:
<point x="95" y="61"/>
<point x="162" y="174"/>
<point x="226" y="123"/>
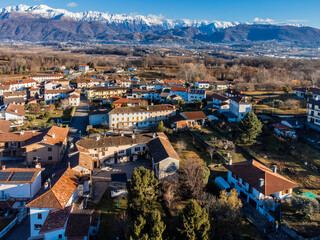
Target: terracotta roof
<point x="21" y="81"/>
<point x="280" y="126"/>
<point x="113" y="141"/>
<point x="179" y="89"/>
<point x="126" y="100"/>
<point x="240" y="99"/>
<point x="4" y="126"/>
<point x="107" y="88"/>
<point x="14" y="94"/>
<point x="219" y="97"/>
<point x="194" y="115"/>
<point x="17" y="136"/>
<point x="14" y="100"/>
<point x="138" y="109"/>
<point x="16" y="109"/>
<point x="55" y="220"/>
<point x="79" y="224"/>
<point x="53" y="91"/>
<point x="160" y="148"/>
<point x="173" y="81"/>
<point x="58" y="196"/>
<point x="12" y="171"/>
<point x="252" y="171"/>
<point x="74" y="96"/>
<point x="143" y="90"/>
<point x="55" y="135"/>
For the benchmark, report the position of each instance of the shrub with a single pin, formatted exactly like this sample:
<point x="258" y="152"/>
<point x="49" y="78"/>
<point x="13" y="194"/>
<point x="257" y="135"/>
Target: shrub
<point x="31" y="118"/>
<point x="278" y="103"/>
<point x="307" y="206"/>
<point x="47" y="115"/>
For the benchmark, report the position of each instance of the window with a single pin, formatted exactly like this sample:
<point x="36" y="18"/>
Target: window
<point x="286" y="192"/>
<point x="50" y="158"/>
<point x="234" y="176"/>
<point x="39" y="215"/>
<point x="37" y="226"/>
<point x="60" y="236"/>
<point x="137" y="149"/>
<point x="244" y="182"/>
<point x="49" y="149"/>
<point x="121" y="152"/>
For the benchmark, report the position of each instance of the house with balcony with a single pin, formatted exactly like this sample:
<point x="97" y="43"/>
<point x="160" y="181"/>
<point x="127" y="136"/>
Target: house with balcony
<point x="219" y="102"/>
<point x="103" y="93"/>
<point x="18" y="186"/>
<point x="311" y="93"/>
<point x="140" y="116"/>
<point x="202" y="84"/>
<point x="257" y="184"/>
<point x="313" y="114"/>
<point x="196" y="94"/>
<point x="239" y="107"/>
<point x="102" y="151"/>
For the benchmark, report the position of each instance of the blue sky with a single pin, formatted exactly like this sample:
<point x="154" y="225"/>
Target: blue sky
<point x="293" y="11"/>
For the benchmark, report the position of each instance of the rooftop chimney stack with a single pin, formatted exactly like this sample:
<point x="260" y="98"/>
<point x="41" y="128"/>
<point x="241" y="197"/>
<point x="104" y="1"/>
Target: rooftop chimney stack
<point x="3" y="167"/>
<point x="38" y="165"/>
<point x="230" y="161"/>
<point x="46" y="185"/>
<point x="261" y="182"/>
<point x="274" y="168"/>
<point x="53" y="135"/>
<point x="133" y="136"/>
<point x="122" y="134"/>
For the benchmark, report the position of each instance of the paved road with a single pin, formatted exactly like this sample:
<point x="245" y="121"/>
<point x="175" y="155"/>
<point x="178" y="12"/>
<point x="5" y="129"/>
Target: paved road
<point x="21" y="231"/>
<point x="79" y="120"/>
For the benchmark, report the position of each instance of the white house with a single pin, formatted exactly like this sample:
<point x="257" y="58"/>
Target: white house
<point x="181" y="91"/>
<point x="14" y="113"/>
<point x="239" y="107"/>
<point x="59" y="198"/>
<point x="50" y="96"/>
<point x="140" y="116"/>
<point x="311" y="93"/>
<point x="83" y="68"/>
<point x="20" y="85"/>
<point x="74" y="99"/>
<point x="313" y="113"/>
<point x="98" y="117"/>
<point x="195" y="94"/>
<point x="219" y="102"/>
<point x="202" y="84"/>
<point x="42" y="78"/>
<point x="19" y="185"/>
<point x="257" y="184"/>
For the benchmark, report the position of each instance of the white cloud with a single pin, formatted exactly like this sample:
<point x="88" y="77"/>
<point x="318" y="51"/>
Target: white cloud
<point x="272" y="21"/>
<point x="261" y="20"/>
<point x="72" y="4"/>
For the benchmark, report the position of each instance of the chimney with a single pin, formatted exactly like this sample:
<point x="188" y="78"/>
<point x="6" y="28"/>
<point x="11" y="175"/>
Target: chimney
<point x="230" y="161"/>
<point x="147" y="108"/>
<point x="133" y="136"/>
<point x="274" y="168"/>
<point x="154" y="135"/>
<point x="45" y="138"/>
<point x="46" y="185"/>
<point x="98" y="138"/>
<point x="261" y="182"/>
<point x="53" y="135"/>
<point x="22" y="132"/>
<point x="38" y="165"/>
<point x="16" y="111"/>
<point x="3" y="167"/>
<point x="122" y="134"/>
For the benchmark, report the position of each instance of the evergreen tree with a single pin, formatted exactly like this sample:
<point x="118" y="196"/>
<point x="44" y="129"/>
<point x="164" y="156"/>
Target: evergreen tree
<point x="197" y="104"/>
<point x="160" y="126"/>
<point x="143" y="190"/>
<point x="148" y="226"/>
<point x="193" y="222"/>
<point x="250" y="127"/>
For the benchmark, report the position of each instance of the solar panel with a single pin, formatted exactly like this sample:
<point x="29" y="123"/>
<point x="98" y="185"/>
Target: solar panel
<point x="4" y="176"/>
<point x="22" y="176"/>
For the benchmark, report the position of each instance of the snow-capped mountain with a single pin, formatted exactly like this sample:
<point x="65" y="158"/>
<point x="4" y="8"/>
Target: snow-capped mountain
<point x="128" y="22"/>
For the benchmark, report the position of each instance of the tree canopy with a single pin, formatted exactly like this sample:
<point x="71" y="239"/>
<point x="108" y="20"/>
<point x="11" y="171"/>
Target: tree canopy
<point x="250" y="127"/>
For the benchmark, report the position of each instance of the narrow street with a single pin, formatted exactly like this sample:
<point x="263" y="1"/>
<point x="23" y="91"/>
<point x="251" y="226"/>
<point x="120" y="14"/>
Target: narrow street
<point x="79" y="120"/>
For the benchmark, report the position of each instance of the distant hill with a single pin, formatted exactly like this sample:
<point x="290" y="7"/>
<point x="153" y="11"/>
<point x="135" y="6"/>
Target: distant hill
<point x="41" y="23"/>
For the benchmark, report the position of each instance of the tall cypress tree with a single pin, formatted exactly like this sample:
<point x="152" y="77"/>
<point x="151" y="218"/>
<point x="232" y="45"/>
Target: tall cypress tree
<point x="193" y="222"/>
<point x="147" y="226"/>
<point x="250" y="127"/>
<point x="143" y="190"/>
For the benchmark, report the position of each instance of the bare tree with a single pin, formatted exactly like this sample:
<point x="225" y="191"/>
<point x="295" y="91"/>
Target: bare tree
<point x="171" y="192"/>
<point x="64" y="103"/>
<point x="211" y="151"/>
<point x="193" y="175"/>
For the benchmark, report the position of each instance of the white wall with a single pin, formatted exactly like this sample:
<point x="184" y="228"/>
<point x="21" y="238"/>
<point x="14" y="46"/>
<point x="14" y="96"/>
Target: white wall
<point x="34" y="219"/>
<point x="54" y="235"/>
<point x="98" y="119"/>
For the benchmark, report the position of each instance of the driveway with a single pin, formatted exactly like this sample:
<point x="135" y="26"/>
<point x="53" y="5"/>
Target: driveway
<point x="80" y="120"/>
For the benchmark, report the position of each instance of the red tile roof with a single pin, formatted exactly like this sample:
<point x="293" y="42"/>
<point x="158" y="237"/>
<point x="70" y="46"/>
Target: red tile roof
<point x="59" y="195"/>
<point x="252" y="171"/>
<point x="55" y="220"/>
<point x="179" y="89"/>
<point x="16" y="109"/>
<point x="194" y="115"/>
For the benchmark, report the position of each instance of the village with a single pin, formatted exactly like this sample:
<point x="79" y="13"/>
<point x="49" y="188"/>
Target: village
<point x="81" y="148"/>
